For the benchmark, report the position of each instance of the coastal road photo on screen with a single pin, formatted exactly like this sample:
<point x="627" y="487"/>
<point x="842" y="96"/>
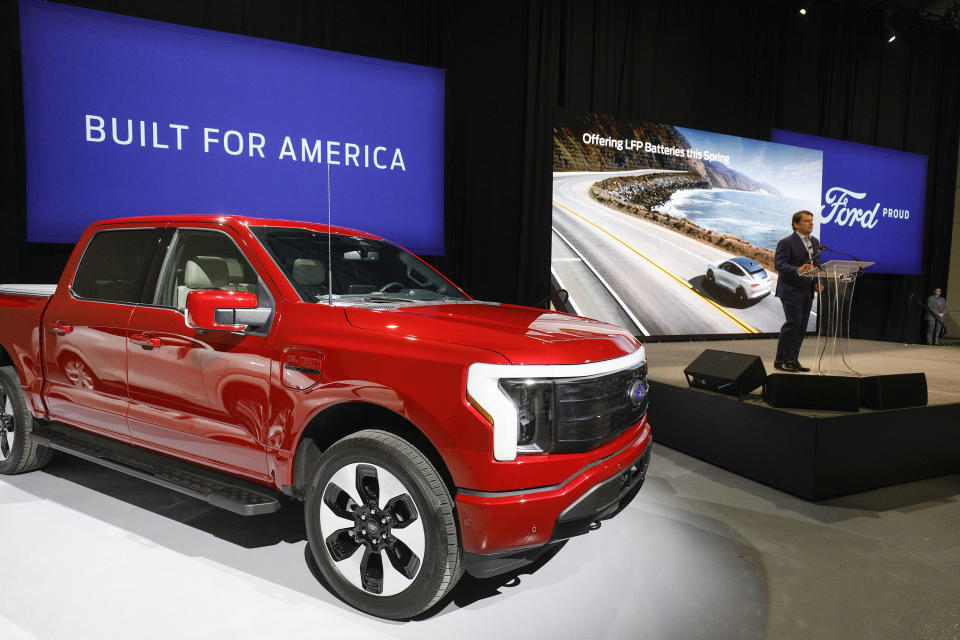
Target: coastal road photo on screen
<point x="666" y="230"/>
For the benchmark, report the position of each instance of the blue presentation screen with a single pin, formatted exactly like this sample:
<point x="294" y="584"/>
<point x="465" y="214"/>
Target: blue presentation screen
<point x="132" y="117"/>
<point x="873" y="202"/>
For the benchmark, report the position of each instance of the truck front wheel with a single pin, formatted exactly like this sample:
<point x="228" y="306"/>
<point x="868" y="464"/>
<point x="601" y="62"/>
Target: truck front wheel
<point x="381" y="525"/>
<point x="18" y="452"/>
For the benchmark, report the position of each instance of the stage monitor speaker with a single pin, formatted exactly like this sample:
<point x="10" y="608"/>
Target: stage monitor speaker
<point x="733" y="373"/>
<point x="897" y="391"/>
<point x="831" y="393"/>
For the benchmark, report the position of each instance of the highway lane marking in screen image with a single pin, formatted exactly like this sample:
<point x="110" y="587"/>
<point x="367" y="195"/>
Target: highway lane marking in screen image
<point x="686" y="285"/>
<point x="571" y="301"/>
<point x="613" y="294"/>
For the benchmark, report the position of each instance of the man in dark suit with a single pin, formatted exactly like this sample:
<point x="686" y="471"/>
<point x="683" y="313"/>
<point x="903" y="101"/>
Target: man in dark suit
<point x="936" y="307"/>
<point x="796" y="254"/>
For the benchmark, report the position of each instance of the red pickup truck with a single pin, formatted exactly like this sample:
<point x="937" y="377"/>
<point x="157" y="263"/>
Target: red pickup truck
<point x="251" y="362"/>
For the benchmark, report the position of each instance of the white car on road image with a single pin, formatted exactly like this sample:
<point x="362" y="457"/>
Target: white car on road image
<point x="743" y="277"/>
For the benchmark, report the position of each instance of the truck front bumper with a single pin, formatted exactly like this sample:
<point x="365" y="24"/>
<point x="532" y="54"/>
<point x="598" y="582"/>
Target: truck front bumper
<point x="502" y="531"/>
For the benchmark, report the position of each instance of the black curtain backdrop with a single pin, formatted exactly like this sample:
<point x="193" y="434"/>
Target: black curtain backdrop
<point x="738" y="67"/>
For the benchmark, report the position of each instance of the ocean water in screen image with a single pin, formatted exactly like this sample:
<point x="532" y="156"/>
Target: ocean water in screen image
<point x="759" y="218"/>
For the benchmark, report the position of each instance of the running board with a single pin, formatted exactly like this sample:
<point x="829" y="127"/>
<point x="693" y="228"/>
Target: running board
<point x="218" y="489"/>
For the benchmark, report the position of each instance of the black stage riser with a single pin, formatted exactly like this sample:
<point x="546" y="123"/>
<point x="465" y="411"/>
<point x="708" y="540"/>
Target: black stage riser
<point x="808" y="456"/>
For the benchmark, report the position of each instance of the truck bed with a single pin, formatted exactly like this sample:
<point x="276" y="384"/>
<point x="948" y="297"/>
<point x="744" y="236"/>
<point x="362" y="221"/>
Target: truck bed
<point x="36" y="290"/>
<point x="21" y="312"/>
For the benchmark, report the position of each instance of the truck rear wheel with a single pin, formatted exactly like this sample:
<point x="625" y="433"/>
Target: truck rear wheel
<point x="381" y="526"/>
<point x="18" y="452"/>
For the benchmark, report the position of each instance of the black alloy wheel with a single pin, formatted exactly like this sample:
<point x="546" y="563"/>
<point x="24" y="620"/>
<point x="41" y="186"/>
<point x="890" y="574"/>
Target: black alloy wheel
<point x="381" y="525"/>
<point x="8" y="423"/>
<point x="19" y="453"/>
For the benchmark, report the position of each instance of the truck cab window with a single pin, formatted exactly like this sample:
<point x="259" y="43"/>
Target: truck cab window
<point x="203" y="259"/>
<point x="115" y="265"/>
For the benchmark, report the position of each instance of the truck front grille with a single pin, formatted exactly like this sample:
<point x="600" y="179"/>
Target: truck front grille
<point x="594" y="410"/>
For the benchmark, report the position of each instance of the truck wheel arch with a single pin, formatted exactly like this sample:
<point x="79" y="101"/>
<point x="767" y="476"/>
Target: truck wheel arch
<point x="343" y="419"/>
<point x="6" y="360"/>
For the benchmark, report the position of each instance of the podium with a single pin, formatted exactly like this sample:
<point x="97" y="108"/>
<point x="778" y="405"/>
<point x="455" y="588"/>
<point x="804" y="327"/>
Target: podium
<point x="838" y="278"/>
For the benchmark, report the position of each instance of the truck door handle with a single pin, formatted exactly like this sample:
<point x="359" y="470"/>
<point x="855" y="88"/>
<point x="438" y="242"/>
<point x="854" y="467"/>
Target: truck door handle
<point x="145" y="340"/>
<point x="59" y="328"/>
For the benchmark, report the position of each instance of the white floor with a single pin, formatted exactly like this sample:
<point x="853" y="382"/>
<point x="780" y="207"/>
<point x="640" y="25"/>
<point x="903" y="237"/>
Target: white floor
<point x="701" y="553"/>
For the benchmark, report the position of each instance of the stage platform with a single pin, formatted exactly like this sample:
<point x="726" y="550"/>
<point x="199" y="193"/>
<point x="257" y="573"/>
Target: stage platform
<point x="812" y="454"/>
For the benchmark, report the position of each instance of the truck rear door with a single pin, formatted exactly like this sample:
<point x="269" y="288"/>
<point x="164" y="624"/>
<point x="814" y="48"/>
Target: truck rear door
<point x="85" y="324"/>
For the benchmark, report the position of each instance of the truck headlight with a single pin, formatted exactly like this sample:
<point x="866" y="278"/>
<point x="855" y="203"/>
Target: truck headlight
<point x="534" y="400"/>
<point x="541" y="408"/>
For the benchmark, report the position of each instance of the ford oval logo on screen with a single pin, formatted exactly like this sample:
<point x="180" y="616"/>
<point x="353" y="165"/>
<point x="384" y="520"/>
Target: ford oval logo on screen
<point x="872" y="204"/>
<point x="132" y="117"/>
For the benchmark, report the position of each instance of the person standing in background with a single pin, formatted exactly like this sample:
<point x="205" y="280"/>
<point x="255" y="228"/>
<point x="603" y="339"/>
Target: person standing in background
<point x="936" y="306"/>
<point x="797" y="254"/>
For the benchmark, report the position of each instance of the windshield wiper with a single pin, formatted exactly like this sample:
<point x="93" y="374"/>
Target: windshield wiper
<point x="384" y="299"/>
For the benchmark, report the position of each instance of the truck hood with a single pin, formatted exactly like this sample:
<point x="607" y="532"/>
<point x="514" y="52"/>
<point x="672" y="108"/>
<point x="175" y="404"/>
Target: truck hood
<point x="520" y="334"/>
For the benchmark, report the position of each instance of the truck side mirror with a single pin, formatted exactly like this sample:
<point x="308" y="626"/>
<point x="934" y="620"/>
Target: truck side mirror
<point x="203" y="307"/>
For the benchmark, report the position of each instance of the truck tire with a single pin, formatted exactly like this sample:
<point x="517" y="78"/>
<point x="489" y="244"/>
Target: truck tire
<point x="18" y="452"/>
<point x="381" y="526"/>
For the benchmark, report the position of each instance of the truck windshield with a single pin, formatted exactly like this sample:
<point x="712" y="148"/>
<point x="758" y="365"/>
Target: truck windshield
<point x="361" y="267"/>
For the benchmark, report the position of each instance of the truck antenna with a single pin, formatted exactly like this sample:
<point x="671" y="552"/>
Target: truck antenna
<point x="329" y="243"/>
